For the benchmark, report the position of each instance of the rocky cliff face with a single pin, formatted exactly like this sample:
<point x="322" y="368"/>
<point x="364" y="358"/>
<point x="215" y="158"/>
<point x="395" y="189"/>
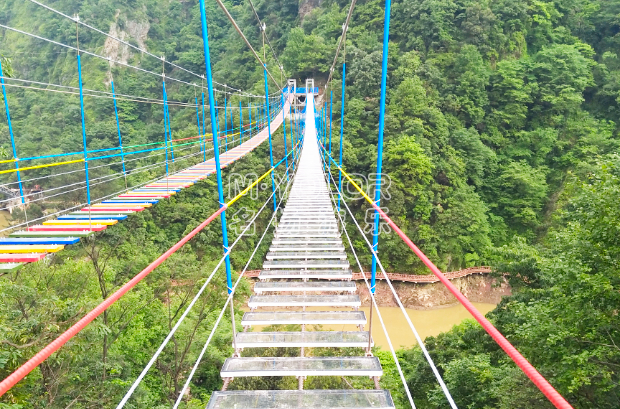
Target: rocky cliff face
<point x="476" y="287"/>
<point x="135" y="31"/>
<point x="306" y="7"/>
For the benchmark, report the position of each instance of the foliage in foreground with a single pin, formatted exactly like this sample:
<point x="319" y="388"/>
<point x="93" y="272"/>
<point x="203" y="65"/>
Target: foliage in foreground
<point x="563" y="317"/>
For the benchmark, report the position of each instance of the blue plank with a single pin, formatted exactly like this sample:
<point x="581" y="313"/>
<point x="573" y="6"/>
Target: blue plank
<point x="42" y="240"/>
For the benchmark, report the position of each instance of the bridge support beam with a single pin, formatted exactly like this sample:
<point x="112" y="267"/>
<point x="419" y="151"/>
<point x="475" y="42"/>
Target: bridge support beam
<point x="216" y="152"/>
<point x="284" y="133"/>
<point x="344" y="70"/>
<point x="204" y="135"/>
<point x="8" y="119"/>
<point x="273" y="182"/>
<point x="384" y="68"/>
<point x="118" y="129"/>
<point x="79" y="64"/>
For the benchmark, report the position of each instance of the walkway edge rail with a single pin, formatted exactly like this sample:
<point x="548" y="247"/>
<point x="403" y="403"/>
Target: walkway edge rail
<point x="21" y="372"/>
<point x="545" y="387"/>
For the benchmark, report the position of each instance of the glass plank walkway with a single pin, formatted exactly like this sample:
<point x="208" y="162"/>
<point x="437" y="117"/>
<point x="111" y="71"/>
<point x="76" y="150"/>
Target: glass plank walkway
<point x="306" y="266"/>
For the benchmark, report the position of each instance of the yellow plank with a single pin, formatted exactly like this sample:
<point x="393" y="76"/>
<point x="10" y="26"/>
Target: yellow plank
<point x="35" y="248"/>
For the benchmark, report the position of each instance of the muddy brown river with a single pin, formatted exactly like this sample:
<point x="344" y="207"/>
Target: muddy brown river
<point x="427" y="322"/>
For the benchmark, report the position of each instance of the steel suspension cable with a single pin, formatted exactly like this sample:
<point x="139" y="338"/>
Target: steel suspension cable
<point x="97" y="55"/>
<point x="345" y="27"/>
<point x="234" y="23"/>
<point x="260" y="24"/>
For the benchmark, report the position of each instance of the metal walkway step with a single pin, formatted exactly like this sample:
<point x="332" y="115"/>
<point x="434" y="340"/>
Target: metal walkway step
<point x="304" y="274"/>
<point x="306" y="399"/>
<point x="305" y="247"/>
<point x="308" y="223"/>
<point x="298" y="286"/>
<point x="312" y="339"/>
<point x="290" y="255"/>
<point x="277" y="264"/>
<point x="305" y="241"/>
<point x="307" y="217"/>
<point x="303" y="317"/>
<point x="306" y="228"/>
<point x="307" y="235"/>
<point x="257" y="301"/>
<point x="301" y="366"/>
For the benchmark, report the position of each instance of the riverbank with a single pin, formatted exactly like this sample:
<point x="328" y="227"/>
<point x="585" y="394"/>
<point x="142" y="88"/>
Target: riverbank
<point x="430" y="306"/>
<point x="478" y="288"/>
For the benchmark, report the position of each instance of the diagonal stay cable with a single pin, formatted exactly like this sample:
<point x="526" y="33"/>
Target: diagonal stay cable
<point x="234" y="23"/>
<point x="260" y="24"/>
<point x="528" y="369"/>
<point x="345" y="27"/>
<point x="42" y="355"/>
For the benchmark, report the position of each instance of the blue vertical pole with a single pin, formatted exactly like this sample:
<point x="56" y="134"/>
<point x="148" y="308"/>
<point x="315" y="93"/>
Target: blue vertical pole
<point x="8" y="120"/>
<point x="296" y="129"/>
<point x="384" y="67"/>
<point x="273" y="182"/>
<point x="331" y="97"/>
<point x="323" y="140"/>
<point x="225" y="126"/>
<point x="79" y="64"/>
<point x="118" y="129"/>
<point x="292" y="138"/>
<point x="284" y="133"/>
<point x="250" y="116"/>
<point x="218" y="171"/>
<point x="204" y="135"/>
<point x="165" y="119"/>
<point x="240" y="123"/>
<point x="217" y="126"/>
<point x="198" y="123"/>
<point x="344" y="69"/>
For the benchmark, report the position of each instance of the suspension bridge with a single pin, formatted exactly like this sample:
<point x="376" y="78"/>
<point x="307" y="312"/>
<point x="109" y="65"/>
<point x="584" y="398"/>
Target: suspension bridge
<point x="306" y="275"/>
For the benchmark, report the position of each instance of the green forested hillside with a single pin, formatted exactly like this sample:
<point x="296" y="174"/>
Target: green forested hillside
<point x="501" y="141"/>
